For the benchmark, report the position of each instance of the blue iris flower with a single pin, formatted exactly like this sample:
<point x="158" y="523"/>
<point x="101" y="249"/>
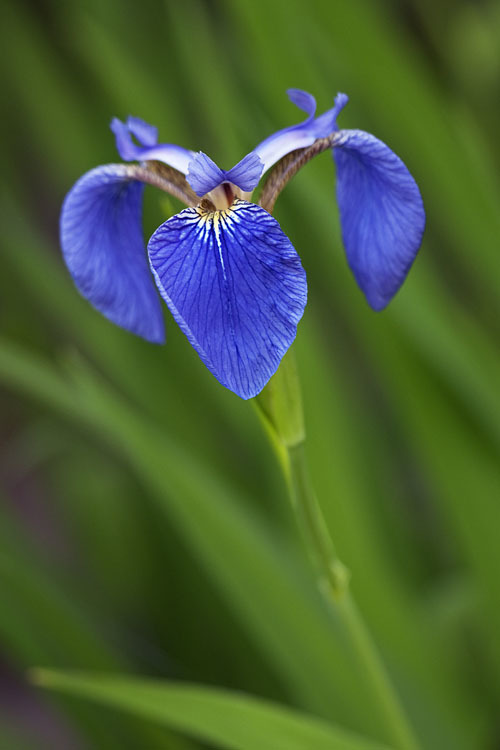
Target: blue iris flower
<point x="228" y="273"/>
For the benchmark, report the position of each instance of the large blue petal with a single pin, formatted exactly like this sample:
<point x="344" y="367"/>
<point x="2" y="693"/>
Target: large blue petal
<point x="381" y="213"/>
<point x="103" y="246"/>
<point x="235" y="286"/>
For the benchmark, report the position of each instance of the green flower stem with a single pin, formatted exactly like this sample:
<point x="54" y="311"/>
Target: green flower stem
<point x="333" y="575"/>
<point x="280" y="406"/>
<point x="334" y="583"/>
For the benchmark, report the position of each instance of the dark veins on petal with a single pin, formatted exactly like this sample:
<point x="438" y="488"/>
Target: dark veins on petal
<point x="236" y="287"/>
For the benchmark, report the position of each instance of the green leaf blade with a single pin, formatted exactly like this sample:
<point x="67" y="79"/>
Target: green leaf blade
<point x="233" y="721"/>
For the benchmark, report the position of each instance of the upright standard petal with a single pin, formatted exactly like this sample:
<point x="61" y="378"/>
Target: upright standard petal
<point x="246" y="174"/>
<point x="281" y="143"/>
<point x="235" y="286"/>
<point x="204" y="175"/>
<point x="145" y="133"/>
<point x="103" y="246"/>
<point x="381" y="213"/>
<point x="304" y="101"/>
<point x="326" y="123"/>
<point x="148" y="148"/>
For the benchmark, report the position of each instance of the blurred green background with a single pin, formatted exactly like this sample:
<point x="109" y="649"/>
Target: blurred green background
<point x="144" y="523"/>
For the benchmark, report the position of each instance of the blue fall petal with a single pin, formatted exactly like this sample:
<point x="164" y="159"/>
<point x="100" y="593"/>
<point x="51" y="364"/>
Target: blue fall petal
<point x="381" y="214"/>
<point x="103" y="246"/>
<point x="175" y="156"/>
<point x="235" y="286"/>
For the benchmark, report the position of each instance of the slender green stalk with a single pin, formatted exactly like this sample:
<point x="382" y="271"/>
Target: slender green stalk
<point x="333" y="575"/>
<point x="334" y="582"/>
<point x="280" y="405"/>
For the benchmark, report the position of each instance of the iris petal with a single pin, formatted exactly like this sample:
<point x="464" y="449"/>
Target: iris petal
<point x="246" y="173"/>
<point x="381" y="213"/>
<point x="303" y="100"/>
<point x="203" y="174"/>
<point x="103" y="246"/>
<point x="125" y="146"/>
<point x="235" y="286"/>
<point x="327" y="122"/>
<point x="148" y="150"/>
<point x="145" y="133"/>
<point x="281" y="143"/>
